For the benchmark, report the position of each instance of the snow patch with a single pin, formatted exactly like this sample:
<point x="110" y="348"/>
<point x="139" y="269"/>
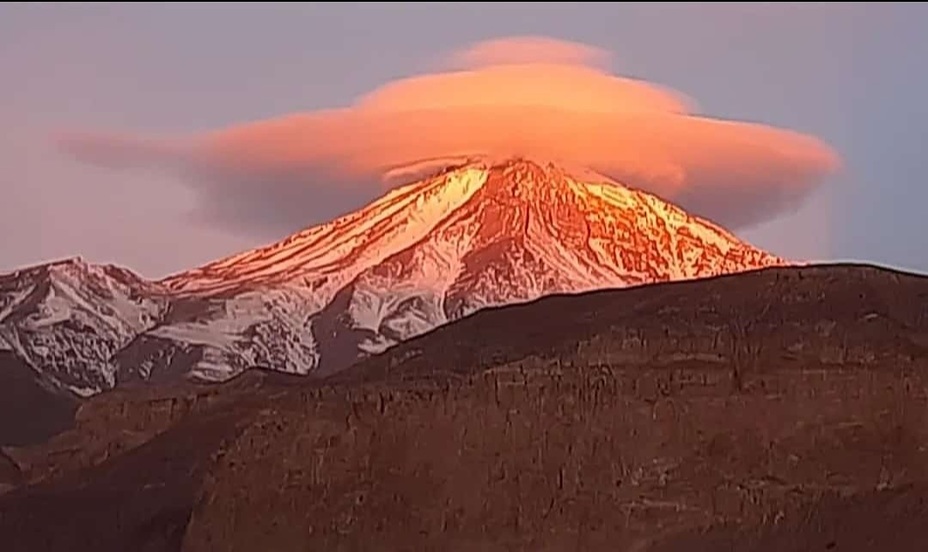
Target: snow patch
<point x="477" y="236"/>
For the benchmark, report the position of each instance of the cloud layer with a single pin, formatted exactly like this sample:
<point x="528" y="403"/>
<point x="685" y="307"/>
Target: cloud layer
<point x="531" y="97"/>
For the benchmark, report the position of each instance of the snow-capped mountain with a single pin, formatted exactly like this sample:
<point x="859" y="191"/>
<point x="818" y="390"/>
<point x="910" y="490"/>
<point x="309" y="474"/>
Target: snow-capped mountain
<point x="68" y="320"/>
<point x="478" y="235"/>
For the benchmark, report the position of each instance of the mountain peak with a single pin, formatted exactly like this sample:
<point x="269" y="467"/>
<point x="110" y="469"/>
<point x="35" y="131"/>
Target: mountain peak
<point x="481" y="233"/>
<point x="517" y="169"/>
<point x="516" y="165"/>
<point x="482" y="201"/>
<point x="525" y="178"/>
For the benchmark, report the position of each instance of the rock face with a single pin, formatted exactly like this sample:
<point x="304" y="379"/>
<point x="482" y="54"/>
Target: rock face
<point x="425" y="254"/>
<point x="772" y="407"/>
<point x="883" y="519"/>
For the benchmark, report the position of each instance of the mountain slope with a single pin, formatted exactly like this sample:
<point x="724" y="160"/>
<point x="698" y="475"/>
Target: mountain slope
<point x="614" y="421"/>
<point x="68" y="319"/>
<point x="474" y="236"/>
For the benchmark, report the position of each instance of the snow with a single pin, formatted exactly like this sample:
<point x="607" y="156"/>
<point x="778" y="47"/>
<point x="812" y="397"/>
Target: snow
<point x="83" y="392"/>
<point x="54" y="310"/>
<point x="219" y="335"/>
<point x="12" y="300"/>
<point x="384" y="228"/>
<point x="421" y="255"/>
<point x="85" y="317"/>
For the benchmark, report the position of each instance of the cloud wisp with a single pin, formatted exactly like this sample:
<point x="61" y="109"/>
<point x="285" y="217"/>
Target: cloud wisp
<point x="532" y="97"/>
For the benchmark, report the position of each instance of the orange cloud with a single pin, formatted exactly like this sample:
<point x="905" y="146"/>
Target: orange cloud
<point x="529" y="49"/>
<point x="537" y="98"/>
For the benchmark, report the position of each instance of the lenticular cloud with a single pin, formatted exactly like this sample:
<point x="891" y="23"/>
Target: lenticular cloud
<point x="531" y="97"/>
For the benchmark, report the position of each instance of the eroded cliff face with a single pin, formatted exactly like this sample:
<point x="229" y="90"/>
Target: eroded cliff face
<point x="122" y="420"/>
<point x="883" y="519"/>
<point x="623" y="421"/>
<point x="535" y="457"/>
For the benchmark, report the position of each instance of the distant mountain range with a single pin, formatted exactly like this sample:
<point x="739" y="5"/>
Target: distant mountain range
<point x="477" y="235"/>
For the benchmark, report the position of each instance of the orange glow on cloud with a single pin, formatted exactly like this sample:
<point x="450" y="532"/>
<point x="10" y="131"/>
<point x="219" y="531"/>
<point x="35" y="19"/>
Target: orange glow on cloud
<point x="529" y="49"/>
<point x="533" y="97"/>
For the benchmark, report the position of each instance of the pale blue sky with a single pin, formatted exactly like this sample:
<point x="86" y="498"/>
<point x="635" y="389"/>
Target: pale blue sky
<point x="852" y="75"/>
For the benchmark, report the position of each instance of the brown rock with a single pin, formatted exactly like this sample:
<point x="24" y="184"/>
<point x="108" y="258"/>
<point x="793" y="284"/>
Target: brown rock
<point x="762" y="412"/>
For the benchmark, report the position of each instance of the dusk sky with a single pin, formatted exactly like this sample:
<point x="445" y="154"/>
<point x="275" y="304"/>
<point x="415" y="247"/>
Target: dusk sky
<point x="852" y="76"/>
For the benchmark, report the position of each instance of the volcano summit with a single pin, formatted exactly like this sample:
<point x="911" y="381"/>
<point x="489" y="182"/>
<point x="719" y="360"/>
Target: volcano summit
<point x="473" y="236"/>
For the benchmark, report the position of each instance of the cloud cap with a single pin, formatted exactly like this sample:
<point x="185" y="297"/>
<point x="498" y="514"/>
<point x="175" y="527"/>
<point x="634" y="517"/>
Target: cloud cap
<point x="532" y="97"/>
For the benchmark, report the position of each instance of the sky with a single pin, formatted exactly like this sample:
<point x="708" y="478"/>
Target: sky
<point x="851" y="75"/>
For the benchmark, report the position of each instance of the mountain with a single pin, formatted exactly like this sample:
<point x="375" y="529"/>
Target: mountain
<point x="477" y="235"/>
<point x="68" y="319"/>
<point x="780" y="409"/>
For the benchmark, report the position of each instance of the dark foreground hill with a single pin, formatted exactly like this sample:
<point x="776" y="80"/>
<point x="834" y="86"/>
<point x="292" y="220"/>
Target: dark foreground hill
<point x="30" y="412"/>
<point x="783" y="409"/>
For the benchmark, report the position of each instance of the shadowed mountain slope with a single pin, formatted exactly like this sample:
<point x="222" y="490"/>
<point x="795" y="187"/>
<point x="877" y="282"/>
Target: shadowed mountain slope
<point x="621" y="420"/>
